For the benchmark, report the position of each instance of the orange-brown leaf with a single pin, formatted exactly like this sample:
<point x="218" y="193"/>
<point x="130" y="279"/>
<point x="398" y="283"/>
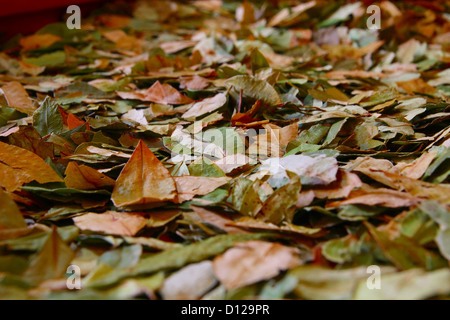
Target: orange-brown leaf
<point x="111" y="222"/>
<point x="143" y="180"/>
<point x="19" y="166"/>
<point x="18" y="98"/>
<point x="165" y="94"/>
<point x="86" y="178"/>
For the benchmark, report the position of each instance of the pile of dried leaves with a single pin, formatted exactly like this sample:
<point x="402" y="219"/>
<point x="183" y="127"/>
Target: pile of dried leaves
<point x="228" y="150"/>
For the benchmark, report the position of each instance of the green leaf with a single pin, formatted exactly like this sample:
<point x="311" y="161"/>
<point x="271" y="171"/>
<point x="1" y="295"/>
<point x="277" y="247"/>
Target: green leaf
<point x="312" y="137"/>
<point x="438" y="171"/>
<point x="334" y="131"/>
<point x="350" y="251"/>
<point x="53" y="59"/>
<point x="47" y="119"/>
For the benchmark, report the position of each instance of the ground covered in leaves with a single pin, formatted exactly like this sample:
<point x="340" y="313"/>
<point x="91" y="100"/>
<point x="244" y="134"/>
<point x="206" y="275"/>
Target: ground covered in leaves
<point x="228" y="150"/>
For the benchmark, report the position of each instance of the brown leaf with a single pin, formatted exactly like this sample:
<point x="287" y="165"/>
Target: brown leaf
<point x="170" y="47"/>
<point x="18" y="98"/>
<point x="161" y="218"/>
<point x="416" y="86"/>
<point x="19" y="166"/>
<point x="377" y="197"/>
<point x="193" y="83"/>
<point x="86" y="178"/>
<point x="231" y="162"/>
<point x="253" y="261"/>
<point x="73" y="122"/>
<point x="216" y="219"/>
<point x="206" y="106"/>
<point x="417" y="168"/>
<point x="255" y="224"/>
<point x="144" y="180"/>
<point x="341" y="188"/>
<point x="122" y="40"/>
<point x="190" y="186"/>
<point x="111" y="222"/>
<point x="165" y="94"/>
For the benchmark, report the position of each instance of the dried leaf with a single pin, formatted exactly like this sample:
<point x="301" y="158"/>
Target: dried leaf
<point x="253" y="261"/>
<point x="20" y="166"/>
<point x="256" y="89"/>
<point x="205" y="106"/>
<point x="51" y="261"/>
<point x="111" y="222"/>
<point x="190" y="186"/>
<point x="37" y="41"/>
<point x="10" y="216"/>
<point x="86" y="178"/>
<point x="191" y="282"/>
<point x="18" y="98"/>
<point x="144" y="180"/>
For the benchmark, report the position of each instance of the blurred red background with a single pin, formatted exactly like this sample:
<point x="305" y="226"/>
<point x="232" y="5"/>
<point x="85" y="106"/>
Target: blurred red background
<point x="27" y="16"/>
